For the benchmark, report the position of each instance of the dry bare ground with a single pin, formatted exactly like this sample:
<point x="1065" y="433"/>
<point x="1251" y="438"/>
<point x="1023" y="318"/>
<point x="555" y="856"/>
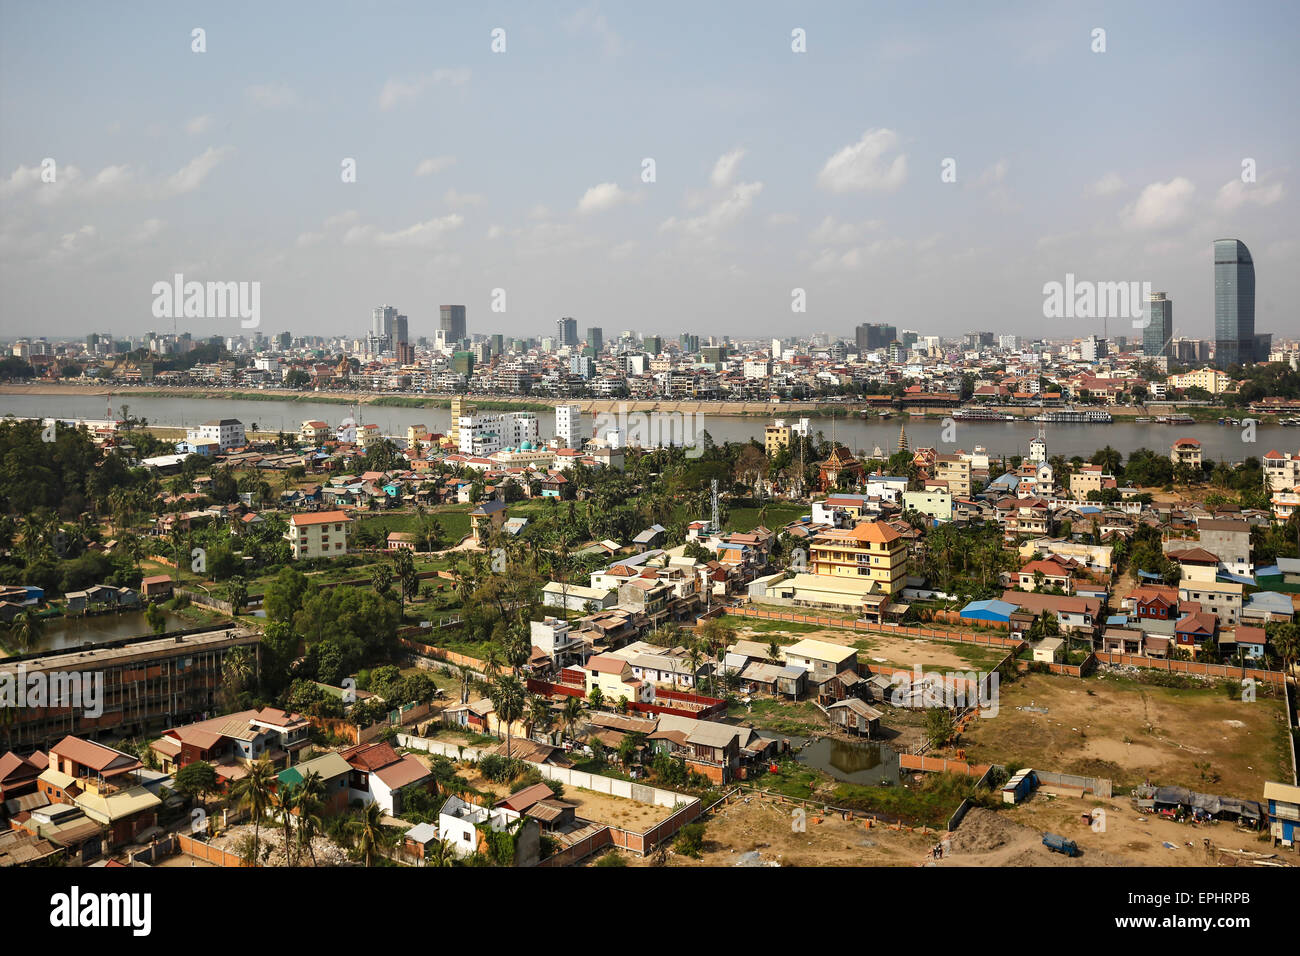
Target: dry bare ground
<point x="327" y="852"/>
<point x="1131" y="732"/>
<point x="1013" y="837"/>
<point x="754" y="832"/>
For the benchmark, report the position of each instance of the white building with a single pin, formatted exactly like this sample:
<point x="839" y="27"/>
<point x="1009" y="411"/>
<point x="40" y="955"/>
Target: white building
<point x="568" y="425"/>
<point x="458" y="819"/>
<point x="226" y="432"/>
<point x="482" y="435"/>
<point x="318" y="534"/>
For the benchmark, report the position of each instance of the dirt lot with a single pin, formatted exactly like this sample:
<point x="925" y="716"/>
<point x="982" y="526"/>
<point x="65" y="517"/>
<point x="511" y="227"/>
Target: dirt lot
<point x="596" y="807"/>
<point x="1131" y="732"/>
<point x="889" y="649"/>
<point x="1013" y="837"/>
<point x="752" y="824"/>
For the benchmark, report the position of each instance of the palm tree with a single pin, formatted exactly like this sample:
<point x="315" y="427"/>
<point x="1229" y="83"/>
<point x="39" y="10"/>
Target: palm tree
<point x="570" y="714"/>
<point x="307" y="801"/>
<point x="285" y="802"/>
<point x="255" y="792"/>
<point x="440" y="853"/>
<point x="539" y="716"/>
<point x="25" y="629"/>
<point x="371" y="833"/>
<point x="508" y="697"/>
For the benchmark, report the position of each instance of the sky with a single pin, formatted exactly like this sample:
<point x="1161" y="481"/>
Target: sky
<point x="524" y="169"/>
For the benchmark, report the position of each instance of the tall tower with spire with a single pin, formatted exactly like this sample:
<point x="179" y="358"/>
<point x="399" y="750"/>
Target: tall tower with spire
<point x="902" y="437"/>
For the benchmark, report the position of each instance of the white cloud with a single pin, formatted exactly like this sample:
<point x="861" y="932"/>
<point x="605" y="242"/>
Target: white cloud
<point x="853" y="259"/>
<point x="1106" y="186"/>
<point x="436" y="164"/>
<point x="832" y="232"/>
<point x="1160" y="204"/>
<point x="591" y="21"/>
<point x="782" y="219"/>
<point x="146" y="230"/>
<point x="994" y="175"/>
<point x="604" y="196"/>
<point x="865" y="166"/>
<point x="719" y="215"/>
<point x="453" y="198"/>
<point x="420" y="234"/>
<point x="75" y="241"/>
<point x="272" y="96"/>
<point x="725" y="168"/>
<point x="1234" y="194"/>
<point x="190" y="176"/>
<point x="200" y="124"/>
<point x="396" y="92"/>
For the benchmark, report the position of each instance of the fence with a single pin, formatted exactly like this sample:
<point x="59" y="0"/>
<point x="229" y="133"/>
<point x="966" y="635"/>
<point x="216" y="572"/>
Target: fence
<point x="941" y="765"/>
<point x="208" y="853"/>
<point x="954" y="821"/>
<point x="1097" y="785"/>
<point x="795" y="617"/>
<point x="686" y="807"/>
<point x="440" y="654"/>
<point x="1074" y="670"/>
<point x="1202" y="668"/>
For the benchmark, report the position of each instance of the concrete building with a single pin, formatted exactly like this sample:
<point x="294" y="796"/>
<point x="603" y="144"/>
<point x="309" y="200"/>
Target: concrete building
<point x="568" y="426"/>
<point x="320" y="534"/>
<point x="226" y="432"/>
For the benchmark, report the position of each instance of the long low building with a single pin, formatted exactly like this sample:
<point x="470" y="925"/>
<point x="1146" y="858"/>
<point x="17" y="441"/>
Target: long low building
<point x="150" y="683"/>
<point x="822" y="590"/>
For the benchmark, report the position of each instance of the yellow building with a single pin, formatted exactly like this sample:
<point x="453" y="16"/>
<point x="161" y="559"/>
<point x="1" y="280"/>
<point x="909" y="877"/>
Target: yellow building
<point x="615" y="678"/>
<point x="1212" y="380"/>
<point x="458" y="409"/>
<point x="776" y="437"/>
<point x="871" y="551"/>
<point x="1186" y="451"/>
<point x="313" y="433"/>
<point x="956" y="471"/>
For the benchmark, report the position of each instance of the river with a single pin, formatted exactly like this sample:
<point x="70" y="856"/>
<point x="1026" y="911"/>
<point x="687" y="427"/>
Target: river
<point x="862" y="436"/>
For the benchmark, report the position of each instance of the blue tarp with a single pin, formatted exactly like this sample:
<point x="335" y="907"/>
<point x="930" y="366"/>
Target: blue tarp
<point x="1149" y="575"/>
<point x="988" y="610"/>
<point x="1236" y="578"/>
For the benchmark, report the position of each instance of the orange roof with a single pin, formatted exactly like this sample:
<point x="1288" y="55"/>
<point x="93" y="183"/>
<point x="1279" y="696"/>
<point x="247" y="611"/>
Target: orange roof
<point x="319" y="517"/>
<point x="877" y="531"/>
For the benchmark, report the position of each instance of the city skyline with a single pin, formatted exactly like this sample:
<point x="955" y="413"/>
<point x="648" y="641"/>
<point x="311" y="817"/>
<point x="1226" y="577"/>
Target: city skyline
<point x="764" y="184"/>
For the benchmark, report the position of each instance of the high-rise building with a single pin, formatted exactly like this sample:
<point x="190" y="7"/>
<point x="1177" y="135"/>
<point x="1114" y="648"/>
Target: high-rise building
<point x="872" y="336"/>
<point x="568" y="425"/>
<point x="1160" y="326"/>
<point x="399" y="331"/>
<point x="566" y="332"/>
<point x="596" y="340"/>
<point x="690" y="342"/>
<point x="451" y="319"/>
<point x="654" y="344"/>
<point x="1234" y="303"/>
<point x="381" y="329"/>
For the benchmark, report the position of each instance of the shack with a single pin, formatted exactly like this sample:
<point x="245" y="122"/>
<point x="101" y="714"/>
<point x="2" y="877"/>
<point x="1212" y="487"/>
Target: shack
<point x="1020" y="786"/>
<point x="855" y="716"/>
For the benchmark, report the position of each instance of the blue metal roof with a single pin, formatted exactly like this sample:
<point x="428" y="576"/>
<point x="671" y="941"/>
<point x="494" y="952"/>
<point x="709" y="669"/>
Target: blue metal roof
<point x="991" y="610"/>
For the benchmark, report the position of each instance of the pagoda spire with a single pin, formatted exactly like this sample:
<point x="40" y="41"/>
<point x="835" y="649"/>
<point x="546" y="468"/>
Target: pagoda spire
<point x="902" y="437"/>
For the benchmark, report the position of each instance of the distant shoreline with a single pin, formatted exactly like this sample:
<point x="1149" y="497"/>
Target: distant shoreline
<point x="723" y="409"/>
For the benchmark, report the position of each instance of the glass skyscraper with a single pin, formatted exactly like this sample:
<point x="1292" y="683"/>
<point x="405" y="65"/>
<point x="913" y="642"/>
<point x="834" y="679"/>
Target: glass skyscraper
<point x="1160" y="325"/>
<point x="1234" y="303"/>
<point x="451" y="319"/>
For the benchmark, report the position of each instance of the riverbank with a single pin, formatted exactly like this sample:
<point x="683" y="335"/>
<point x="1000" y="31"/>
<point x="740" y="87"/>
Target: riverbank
<point x="123" y="393"/>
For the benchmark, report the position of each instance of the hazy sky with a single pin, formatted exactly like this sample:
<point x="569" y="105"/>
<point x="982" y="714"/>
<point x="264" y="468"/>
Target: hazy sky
<point x="522" y="170"/>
